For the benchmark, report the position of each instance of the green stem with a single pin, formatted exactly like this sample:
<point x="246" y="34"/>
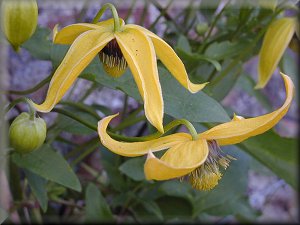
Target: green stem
<point x="13" y="103"/>
<point x="88" y="151"/>
<point x="31" y="110"/>
<point x="127" y="123"/>
<point x="125" y="106"/>
<point x="77" y="118"/>
<point x="204" y="43"/>
<point x="168" y="127"/>
<point x="22" y="99"/>
<point x="114" y="12"/>
<point x="81" y="107"/>
<point x="129" y="12"/>
<point x="33" y="89"/>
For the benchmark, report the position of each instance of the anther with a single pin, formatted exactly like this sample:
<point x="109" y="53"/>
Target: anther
<point x="207" y="176"/>
<point x="113" y="60"/>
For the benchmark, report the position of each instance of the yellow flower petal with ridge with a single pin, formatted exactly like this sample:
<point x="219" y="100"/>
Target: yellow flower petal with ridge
<point x="79" y="55"/>
<point x="132" y="149"/>
<point x="237" y="131"/>
<point x="139" y="53"/>
<point x="276" y="40"/>
<point x="170" y="59"/>
<point x="178" y="161"/>
<point x="68" y="34"/>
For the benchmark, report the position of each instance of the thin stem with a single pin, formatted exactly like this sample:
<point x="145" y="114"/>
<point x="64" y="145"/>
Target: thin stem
<point x="13" y="103"/>
<point x="22" y="99"/>
<point x="81" y="107"/>
<point x="127" y="123"/>
<point x="130" y="10"/>
<point x="204" y="43"/>
<point x="77" y="118"/>
<point x="33" y="89"/>
<point x="125" y="106"/>
<point x="114" y="12"/>
<point x="163" y="13"/>
<point x="132" y="139"/>
<point x="79" y="148"/>
<point x="88" y="151"/>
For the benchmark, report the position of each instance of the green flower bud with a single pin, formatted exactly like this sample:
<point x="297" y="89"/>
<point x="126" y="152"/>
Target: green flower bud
<point x="19" y="20"/>
<point x="201" y="28"/>
<point x="27" y="134"/>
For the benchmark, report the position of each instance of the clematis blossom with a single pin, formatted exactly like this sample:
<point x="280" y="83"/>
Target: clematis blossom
<point x="199" y="159"/>
<point x="130" y="45"/>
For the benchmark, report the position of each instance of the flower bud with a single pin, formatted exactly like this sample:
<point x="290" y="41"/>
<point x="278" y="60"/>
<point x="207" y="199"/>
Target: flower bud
<point x="27" y="134"/>
<point x="19" y="20"/>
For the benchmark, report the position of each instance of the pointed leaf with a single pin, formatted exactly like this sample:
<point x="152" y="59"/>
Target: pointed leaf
<point x="38" y="187"/>
<point x="97" y="209"/>
<point x="50" y="165"/>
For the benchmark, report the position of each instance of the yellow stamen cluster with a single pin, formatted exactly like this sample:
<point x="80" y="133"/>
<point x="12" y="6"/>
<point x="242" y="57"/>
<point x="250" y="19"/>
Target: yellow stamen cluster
<point x="207" y="176"/>
<point x="113" y="60"/>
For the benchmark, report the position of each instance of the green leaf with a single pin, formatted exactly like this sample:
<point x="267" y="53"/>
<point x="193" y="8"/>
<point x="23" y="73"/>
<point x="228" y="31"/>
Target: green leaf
<point x="39" y="44"/>
<point x="197" y="107"/>
<point x="232" y="185"/>
<point x="111" y="163"/>
<point x="97" y="210"/>
<point x="194" y="59"/>
<point x="178" y="189"/>
<point x="183" y="43"/>
<point x="70" y="125"/>
<point x="225" y="49"/>
<point x="50" y="165"/>
<point x="223" y="87"/>
<point x="147" y="211"/>
<point x="38" y="187"/>
<point x="277" y="153"/>
<point x="134" y="168"/>
<point x="3" y="215"/>
<point x="174" y="208"/>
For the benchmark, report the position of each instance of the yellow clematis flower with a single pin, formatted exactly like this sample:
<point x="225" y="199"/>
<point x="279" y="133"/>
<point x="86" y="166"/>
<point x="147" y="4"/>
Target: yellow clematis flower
<point x="276" y="40"/>
<point x="130" y="45"/>
<point x="198" y="158"/>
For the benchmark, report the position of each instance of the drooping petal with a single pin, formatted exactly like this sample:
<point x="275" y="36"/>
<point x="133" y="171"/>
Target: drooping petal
<point x="170" y="59"/>
<point x="276" y="40"/>
<point x="139" y="53"/>
<point x="69" y="33"/>
<point x="132" y="149"/>
<point x="236" y="131"/>
<point x="80" y="54"/>
<point x="178" y="161"/>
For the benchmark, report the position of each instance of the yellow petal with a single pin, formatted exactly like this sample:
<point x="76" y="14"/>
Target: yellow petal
<point x="133" y="149"/>
<point x="170" y="59"/>
<point x="80" y="54"/>
<point x="139" y="53"/>
<point x="236" y="131"/>
<point x="69" y="33"/>
<point x="276" y="40"/>
<point x="178" y="161"/>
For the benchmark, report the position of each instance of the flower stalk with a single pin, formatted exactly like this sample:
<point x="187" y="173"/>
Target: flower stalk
<point x="114" y="13"/>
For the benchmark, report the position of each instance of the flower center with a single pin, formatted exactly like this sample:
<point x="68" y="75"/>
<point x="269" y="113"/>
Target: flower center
<point x="113" y="60"/>
<point x="207" y="176"/>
